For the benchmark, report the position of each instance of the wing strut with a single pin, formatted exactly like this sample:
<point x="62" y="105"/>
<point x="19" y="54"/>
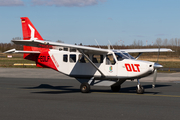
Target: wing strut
<point x="91" y="62"/>
<point x="138" y="55"/>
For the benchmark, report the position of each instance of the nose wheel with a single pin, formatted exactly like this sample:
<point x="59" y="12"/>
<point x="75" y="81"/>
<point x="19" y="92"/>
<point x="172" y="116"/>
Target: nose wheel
<point x="139" y="89"/>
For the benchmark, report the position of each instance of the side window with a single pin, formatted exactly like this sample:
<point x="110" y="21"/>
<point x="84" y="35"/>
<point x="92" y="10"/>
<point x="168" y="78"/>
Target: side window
<point x="110" y="60"/>
<point x="72" y="58"/>
<point x="101" y="58"/>
<point x="82" y="59"/>
<point x="97" y="58"/>
<point x="65" y="49"/>
<point x="72" y="50"/>
<point x="65" y="58"/>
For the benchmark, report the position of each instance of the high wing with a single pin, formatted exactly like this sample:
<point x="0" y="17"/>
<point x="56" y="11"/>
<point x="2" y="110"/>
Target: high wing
<point x="85" y="49"/>
<point x="45" y="44"/>
<point x="48" y="44"/>
<point x="146" y="50"/>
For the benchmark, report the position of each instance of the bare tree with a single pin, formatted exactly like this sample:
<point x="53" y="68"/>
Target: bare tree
<point x="134" y="43"/>
<point x="171" y="42"/>
<point x="165" y="42"/>
<point x="179" y="42"/>
<point x="176" y="42"/>
<point x="158" y="42"/>
<point x="140" y="43"/>
<point x="60" y="41"/>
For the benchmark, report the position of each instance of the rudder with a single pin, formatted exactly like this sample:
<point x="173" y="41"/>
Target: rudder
<point x="30" y="33"/>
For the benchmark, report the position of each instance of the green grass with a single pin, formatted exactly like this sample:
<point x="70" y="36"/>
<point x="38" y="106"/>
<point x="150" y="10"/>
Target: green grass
<point x="170" y="64"/>
<point x="9" y="62"/>
<point x="160" y="71"/>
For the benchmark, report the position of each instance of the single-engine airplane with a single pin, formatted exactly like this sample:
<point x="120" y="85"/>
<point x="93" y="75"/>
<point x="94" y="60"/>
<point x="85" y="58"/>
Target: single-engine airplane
<point x="90" y="66"/>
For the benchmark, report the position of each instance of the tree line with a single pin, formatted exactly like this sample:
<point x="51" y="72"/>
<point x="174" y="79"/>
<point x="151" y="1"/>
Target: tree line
<point x="159" y="42"/>
<point x="173" y="44"/>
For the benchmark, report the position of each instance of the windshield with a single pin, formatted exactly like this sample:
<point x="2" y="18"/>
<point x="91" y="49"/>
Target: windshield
<point x="121" y="56"/>
<point x="131" y="57"/>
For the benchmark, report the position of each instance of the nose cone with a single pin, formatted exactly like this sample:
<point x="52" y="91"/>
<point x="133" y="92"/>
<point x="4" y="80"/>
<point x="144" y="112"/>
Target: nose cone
<point x="157" y="65"/>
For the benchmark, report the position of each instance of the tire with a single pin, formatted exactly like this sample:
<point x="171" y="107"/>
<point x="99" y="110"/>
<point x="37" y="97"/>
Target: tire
<point x="140" y="91"/>
<point x="85" y="88"/>
<point x="115" y="88"/>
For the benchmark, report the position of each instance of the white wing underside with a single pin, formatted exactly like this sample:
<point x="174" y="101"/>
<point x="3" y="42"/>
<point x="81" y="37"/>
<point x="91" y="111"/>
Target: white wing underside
<point x="20" y="51"/>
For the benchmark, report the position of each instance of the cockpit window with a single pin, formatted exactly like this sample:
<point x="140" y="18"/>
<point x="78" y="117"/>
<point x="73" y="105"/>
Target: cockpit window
<point x="131" y="57"/>
<point x="110" y="60"/>
<point x="121" y="56"/>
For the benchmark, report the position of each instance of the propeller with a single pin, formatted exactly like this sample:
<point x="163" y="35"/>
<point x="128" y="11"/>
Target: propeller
<point x="156" y="66"/>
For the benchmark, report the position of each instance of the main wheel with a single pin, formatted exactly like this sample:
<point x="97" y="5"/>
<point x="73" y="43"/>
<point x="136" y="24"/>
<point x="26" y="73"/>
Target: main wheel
<point x="115" y="88"/>
<point x="85" y="88"/>
<point x="140" y="90"/>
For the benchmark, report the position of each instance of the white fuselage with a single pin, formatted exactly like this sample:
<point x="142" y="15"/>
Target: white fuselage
<point x="69" y="63"/>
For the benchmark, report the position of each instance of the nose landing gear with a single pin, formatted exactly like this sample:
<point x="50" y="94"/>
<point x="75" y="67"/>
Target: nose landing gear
<point x="139" y="89"/>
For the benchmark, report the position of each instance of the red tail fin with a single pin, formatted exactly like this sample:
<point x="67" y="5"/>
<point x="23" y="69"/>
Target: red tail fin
<point x="42" y="59"/>
<point x="30" y="33"/>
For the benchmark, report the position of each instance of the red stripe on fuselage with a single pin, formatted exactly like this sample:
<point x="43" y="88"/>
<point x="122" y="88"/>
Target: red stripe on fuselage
<point x="45" y="60"/>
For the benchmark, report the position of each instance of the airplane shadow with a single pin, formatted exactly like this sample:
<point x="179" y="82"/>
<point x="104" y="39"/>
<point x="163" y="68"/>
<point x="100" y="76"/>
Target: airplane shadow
<point x="53" y="89"/>
<point x="49" y="89"/>
<point x="133" y="89"/>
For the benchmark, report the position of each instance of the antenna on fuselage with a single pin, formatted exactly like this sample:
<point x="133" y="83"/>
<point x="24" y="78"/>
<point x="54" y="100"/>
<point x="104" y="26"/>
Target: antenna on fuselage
<point x="97" y="43"/>
<point x="110" y="44"/>
<point x="109" y="47"/>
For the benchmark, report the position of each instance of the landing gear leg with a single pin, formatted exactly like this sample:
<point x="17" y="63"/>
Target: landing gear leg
<point x="85" y="88"/>
<point x="139" y="89"/>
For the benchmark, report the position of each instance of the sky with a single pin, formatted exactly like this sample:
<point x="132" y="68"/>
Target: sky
<point x="84" y="21"/>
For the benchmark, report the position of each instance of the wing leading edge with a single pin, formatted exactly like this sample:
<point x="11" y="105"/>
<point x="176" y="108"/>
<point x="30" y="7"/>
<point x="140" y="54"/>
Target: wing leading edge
<point x="85" y="49"/>
<point x="47" y="44"/>
<point x="146" y="50"/>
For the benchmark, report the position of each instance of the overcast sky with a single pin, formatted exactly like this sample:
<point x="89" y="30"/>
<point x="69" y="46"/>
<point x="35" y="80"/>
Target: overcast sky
<point x="83" y="21"/>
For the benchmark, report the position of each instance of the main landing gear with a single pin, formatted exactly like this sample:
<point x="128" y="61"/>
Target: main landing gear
<point x="85" y="88"/>
<point x="139" y="89"/>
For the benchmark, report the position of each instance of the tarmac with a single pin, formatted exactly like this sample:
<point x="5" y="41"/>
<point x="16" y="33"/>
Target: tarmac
<point x="49" y="73"/>
<point x="44" y="94"/>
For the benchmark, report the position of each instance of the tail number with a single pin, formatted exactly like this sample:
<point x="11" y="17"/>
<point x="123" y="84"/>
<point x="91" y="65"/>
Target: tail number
<point x="132" y="67"/>
<point x="44" y="58"/>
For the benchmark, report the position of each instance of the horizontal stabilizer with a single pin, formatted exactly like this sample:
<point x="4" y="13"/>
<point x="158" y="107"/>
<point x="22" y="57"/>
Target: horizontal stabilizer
<point x="20" y="51"/>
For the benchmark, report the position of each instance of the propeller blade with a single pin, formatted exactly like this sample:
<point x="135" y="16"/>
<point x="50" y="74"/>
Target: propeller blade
<point x="156" y="66"/>
<point x="154" y="79"/>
